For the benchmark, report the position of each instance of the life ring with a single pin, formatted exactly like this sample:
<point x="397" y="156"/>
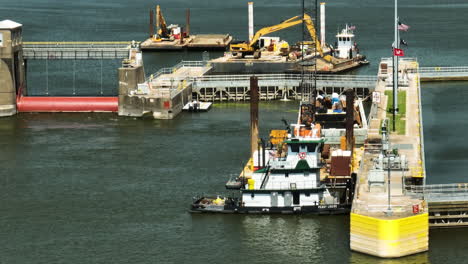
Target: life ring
<point x="302" y="155"/>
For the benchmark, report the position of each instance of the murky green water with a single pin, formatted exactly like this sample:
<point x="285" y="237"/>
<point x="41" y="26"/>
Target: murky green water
<point x="96" y="188"/>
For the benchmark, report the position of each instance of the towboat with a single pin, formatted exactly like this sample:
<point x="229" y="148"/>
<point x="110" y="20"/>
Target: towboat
<point x="305" y="168"/>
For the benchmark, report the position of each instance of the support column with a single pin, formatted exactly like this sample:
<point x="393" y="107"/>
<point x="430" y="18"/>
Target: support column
<point x="251" y="22"/>
<point x="350" y="119"/>
<point x="322" y="24"/>
<point x="187" y="22"/>
<point x="253" y="115"/>
<point x="151" y="24"/>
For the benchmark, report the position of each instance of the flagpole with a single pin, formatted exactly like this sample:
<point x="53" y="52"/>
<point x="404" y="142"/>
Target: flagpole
<point x="396" y="45"/>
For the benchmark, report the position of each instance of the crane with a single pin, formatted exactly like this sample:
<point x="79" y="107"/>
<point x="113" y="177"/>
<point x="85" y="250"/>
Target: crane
<point x="249" y="48"/>
<point x="162" y="32"/>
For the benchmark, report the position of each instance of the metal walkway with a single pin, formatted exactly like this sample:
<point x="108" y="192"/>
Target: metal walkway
<point x="442" y="192"/>
<point x="448" y="203"/>
<point x="76" y="50"/>
<point x="276" y="86"/>
<point x="346" y="81"/>
<point x="271" y="86"/>
<point x="443" y="73"/>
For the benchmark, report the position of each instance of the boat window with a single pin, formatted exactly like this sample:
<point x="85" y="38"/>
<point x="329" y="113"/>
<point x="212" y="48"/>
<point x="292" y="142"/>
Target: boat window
<point x="307" y="194"/>
<point x="306" y="174"/>
<point x="286" y="175"/>
<point x="294" y="147"/>
<point x="252" y="195"/>
<point x="311" y="147"/>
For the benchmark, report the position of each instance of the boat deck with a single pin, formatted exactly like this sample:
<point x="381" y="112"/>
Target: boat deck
<point x="202" y="107"/>
<point x="206" y="41"/>
<point x="336" y="65"/>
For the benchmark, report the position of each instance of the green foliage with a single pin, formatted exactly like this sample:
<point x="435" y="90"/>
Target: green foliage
<point x="401" y="116"/>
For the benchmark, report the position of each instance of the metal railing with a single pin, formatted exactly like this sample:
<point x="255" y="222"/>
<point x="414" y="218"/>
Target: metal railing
<point x="436" y="69"/>
<point x="396" y="209"/>
<point x="169" y="70"/>
<point x="389" y="60"/>
<point x="440" y="192"/>
<point x="78" y="44"/>
<point x="271" y="77"/>
<point x="288" y="77"/>
<point x="76" y="50"/>
<point x="439" y="188"/>
<point x="294" y="79"/>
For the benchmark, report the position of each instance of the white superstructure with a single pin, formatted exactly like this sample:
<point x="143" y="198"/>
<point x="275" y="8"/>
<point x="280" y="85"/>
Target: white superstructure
<point x="346" y="47"/>
<point x="291" y="176"/>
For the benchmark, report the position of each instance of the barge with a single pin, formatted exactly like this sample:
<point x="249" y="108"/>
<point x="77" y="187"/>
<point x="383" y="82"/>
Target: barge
<point x="175" y="37"/>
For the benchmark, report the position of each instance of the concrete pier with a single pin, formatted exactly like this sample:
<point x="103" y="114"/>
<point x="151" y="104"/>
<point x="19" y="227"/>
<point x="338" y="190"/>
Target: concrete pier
<point x="129" y="78"/>
<point x="164" y="95"/>
<point x="12" y="75"/>
<point x="385" y="221"/>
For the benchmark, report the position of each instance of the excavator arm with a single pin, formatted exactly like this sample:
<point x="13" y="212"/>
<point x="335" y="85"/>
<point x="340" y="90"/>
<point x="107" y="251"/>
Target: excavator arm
<point x="251" y="47"/>
<point x="267" y="30"/>
<point x="318" y="46"/>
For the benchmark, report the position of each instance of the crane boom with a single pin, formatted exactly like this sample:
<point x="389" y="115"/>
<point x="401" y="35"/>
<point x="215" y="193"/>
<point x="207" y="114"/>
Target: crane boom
<point x="161" y="26"/>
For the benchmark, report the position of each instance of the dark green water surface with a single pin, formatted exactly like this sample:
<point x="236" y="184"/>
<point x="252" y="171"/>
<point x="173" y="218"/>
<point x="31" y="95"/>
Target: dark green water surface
<point x="96" y="188"/>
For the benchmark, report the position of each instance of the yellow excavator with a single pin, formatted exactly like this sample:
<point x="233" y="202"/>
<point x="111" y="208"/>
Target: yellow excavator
<point x="252" y="48"/>
<point x="162" y="32"/>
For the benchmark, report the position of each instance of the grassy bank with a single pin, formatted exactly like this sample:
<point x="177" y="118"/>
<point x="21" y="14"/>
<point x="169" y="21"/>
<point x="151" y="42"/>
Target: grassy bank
<point x="401" y="116"/>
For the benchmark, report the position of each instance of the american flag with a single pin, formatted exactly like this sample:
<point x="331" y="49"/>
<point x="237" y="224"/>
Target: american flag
<point x="403" y="27"/>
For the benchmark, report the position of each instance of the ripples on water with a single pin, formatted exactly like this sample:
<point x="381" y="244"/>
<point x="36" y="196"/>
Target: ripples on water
<point x="94" y="188"/>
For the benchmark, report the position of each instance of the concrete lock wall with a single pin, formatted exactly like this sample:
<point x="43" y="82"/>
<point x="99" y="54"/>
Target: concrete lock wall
<point x="138" y="105"/>
<point x="390" y="238"/>
<point x="129" y="78"/>
<point x="9" y="48"/>
<point x="169" y="108"/>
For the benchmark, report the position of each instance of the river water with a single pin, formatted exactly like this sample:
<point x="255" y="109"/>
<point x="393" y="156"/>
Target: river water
<point x="97" y="188"/>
